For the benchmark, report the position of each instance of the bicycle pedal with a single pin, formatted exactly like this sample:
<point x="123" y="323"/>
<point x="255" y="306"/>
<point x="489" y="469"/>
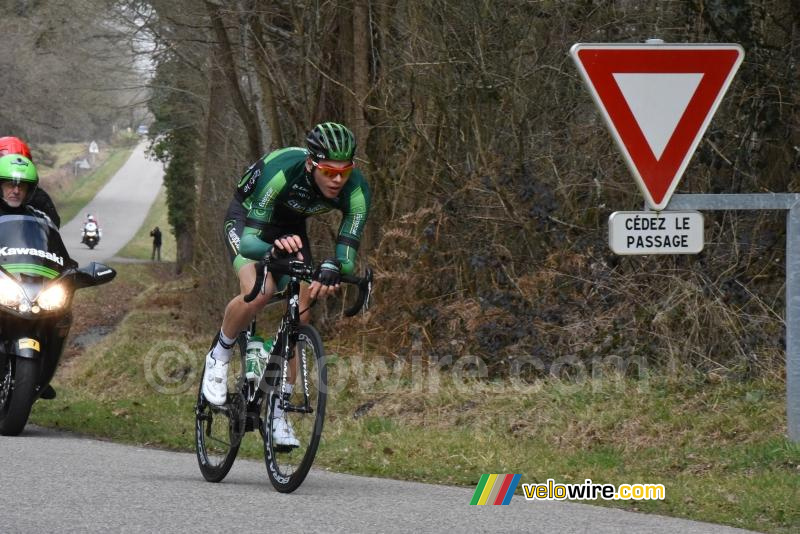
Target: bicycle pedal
<point x="297" y="408"/>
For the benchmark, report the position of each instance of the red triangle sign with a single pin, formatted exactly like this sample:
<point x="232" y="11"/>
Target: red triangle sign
<point x="657" y="100"/>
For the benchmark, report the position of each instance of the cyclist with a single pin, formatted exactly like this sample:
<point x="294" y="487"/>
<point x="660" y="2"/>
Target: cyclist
<point x="40" y="199"/>
<point x="268" y="216"/>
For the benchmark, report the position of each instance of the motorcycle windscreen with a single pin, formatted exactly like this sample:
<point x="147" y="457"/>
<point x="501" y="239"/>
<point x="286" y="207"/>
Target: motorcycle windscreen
<point x="30" y="246"/>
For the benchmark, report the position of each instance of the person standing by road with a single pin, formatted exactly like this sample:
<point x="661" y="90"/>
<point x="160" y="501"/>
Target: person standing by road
<point x="155" y="233"/>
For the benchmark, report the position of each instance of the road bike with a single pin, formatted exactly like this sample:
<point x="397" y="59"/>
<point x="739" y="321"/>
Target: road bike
<point x="251" y="404"/>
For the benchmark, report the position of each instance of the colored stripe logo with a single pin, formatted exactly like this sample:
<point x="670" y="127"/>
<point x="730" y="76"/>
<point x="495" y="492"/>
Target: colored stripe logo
<point x="495" y="489"/>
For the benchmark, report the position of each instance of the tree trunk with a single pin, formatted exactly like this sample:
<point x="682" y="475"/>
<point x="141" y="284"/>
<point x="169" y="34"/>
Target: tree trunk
<point x="270" y="103"/>
<point x="361" y="54"/>
<point x="214" y="192"/>
<point x="227" y="63"/>
<point x="185" y="252"/>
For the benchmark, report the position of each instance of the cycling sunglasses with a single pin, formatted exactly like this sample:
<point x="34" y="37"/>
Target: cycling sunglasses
<point x="332" y="172"/>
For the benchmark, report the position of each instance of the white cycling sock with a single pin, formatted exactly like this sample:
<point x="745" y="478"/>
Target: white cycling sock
<point x="222" y="350"/>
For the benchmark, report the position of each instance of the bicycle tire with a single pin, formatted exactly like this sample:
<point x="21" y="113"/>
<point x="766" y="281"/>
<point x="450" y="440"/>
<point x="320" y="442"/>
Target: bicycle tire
<point x="288" y="468"/>
<point x="217" y="452"/>
<point x="18" y="389"/>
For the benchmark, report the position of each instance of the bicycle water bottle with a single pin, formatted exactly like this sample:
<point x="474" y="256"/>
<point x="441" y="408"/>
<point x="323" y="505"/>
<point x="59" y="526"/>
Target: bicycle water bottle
<point x="256" y="358"/>
<point x="258" y="351"/>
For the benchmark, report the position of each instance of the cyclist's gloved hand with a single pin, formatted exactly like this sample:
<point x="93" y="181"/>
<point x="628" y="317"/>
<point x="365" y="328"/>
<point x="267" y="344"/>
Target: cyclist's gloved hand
<point x="287" y="240"/>
<point x="329" y="272"/>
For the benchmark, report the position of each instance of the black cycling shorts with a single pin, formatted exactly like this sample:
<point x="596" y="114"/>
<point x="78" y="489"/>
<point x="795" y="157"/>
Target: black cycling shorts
<point x="234" y="226"/>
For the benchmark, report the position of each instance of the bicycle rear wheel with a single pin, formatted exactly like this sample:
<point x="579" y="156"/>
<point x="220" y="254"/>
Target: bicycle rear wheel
<point x="287" y="467"/>
<point x="219" y="429"/>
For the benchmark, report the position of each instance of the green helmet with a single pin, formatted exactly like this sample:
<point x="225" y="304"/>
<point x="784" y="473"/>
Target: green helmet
<point x="19" y="169"/>
<point x="331" y="140"/>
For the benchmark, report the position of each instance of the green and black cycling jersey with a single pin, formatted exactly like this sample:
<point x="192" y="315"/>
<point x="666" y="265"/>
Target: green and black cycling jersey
<point x="277" y="190"/>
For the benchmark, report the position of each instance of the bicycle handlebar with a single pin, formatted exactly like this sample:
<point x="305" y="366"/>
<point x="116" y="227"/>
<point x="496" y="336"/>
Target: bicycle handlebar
<point x="260" y="274"/>
<point x="303" y="271"/>
<point x="364" y="291"/>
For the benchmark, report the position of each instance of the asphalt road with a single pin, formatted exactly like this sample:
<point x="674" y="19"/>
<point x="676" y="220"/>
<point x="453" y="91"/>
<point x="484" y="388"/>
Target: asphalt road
<point x="58" y="482"/>
<point x="120" y="207"/>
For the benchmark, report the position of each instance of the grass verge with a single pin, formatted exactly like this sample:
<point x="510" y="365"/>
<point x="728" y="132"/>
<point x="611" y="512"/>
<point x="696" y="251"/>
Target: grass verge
<point x="49" y="157"/>
<point x="717" y="447"/>
<point x="71" y="199"/>
<point x="141" y="246"/>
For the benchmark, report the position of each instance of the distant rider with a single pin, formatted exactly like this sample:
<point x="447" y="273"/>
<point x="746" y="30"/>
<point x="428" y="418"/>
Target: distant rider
<point x="91" y="224"/>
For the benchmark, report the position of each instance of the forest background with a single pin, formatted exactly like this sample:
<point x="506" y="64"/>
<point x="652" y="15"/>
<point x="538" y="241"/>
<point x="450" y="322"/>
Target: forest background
<point x="491" y="171"/>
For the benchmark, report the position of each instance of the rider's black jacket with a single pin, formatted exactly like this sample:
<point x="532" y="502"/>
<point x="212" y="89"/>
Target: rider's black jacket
<point x="42" y="201"/>
<point x="29" y="209"/>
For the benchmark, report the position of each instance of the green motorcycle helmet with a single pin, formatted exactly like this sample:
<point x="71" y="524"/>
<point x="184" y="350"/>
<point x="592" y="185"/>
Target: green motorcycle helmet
<point x="19" y="169"/>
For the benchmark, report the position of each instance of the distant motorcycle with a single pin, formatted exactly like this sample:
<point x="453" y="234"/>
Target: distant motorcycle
<point x="91" y="235"/>
<point x="37" y="281"/>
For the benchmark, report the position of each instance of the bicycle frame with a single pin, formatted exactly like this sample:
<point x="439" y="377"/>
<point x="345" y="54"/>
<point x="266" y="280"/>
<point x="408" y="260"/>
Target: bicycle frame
<point x="286" y="338"/>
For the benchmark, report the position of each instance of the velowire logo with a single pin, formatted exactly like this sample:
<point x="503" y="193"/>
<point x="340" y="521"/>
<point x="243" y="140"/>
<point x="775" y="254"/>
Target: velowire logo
<point x="495" y="489"/>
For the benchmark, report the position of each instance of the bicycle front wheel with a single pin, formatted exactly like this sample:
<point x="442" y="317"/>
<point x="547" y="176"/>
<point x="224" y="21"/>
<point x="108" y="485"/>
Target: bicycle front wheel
<point x="303" y="412"/>
<point x="219" y="429"/>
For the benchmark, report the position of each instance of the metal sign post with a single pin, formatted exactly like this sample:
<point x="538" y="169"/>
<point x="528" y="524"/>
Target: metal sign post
<point x="771" y="201"/>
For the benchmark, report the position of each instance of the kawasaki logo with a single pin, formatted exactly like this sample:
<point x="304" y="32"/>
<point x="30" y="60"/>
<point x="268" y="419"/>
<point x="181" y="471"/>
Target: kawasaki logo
<point x="5" y="251"/>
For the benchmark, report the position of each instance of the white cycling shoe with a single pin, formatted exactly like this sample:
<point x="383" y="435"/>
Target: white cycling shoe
<point x="215" y="381"/>
<point x="283" y="433"/>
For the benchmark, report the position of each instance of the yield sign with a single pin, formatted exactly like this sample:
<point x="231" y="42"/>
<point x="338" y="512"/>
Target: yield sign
<point x="657" y="100"/>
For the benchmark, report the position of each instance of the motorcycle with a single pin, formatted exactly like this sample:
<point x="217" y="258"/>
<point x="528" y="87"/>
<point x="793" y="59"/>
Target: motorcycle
<point x="91" y="235"/>
<point x="37" y="283"/>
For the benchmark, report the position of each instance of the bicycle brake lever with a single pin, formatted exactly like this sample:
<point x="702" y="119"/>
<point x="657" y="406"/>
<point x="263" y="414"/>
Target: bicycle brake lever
<point x="365" y="307"/>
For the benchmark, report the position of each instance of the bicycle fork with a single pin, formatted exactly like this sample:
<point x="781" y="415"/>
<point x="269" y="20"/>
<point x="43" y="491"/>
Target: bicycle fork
<point x="287" y="406"/>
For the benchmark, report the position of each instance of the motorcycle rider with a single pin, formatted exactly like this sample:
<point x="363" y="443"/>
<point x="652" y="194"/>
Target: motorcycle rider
<point x="18" y="180"/>
<point x="18" y="183"/>
<point x="40" y="199"/>
<point x="31" y="246"/>
<point x="91" y="219"/>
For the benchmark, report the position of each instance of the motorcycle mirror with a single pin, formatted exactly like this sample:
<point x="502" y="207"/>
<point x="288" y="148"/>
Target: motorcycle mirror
<point x="94" y="274"/>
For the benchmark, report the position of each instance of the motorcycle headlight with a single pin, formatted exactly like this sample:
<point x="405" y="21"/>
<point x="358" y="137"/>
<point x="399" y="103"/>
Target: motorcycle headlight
<point x="11" y="293"/>
<point x="52" y="298"/>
